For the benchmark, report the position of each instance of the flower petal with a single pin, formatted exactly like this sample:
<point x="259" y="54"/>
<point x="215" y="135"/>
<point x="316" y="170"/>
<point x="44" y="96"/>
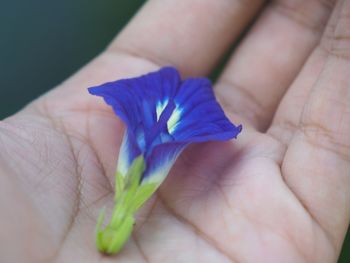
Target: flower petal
<point x="201" y="117"/>
<point x="129" y="150"/>
<point x="133" y="99"/>
<point x="160" y="161"/>
<point x="163" y="115"/>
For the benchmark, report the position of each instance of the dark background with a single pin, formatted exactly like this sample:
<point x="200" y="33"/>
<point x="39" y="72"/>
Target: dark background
<point x="44" y="42"/>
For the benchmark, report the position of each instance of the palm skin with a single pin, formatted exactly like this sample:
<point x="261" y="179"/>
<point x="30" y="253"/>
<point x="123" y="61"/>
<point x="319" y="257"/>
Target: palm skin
<point x="222" y="202"/>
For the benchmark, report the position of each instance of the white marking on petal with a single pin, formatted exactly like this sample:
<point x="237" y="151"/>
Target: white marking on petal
<point x="160" y="107"/>
<point x="174" y="119"/>
<point x="123" y="164"/>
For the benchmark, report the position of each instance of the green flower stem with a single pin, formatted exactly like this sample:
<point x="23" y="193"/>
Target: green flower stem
<point x="113" y="237"/>
<point x="129" y="196"/>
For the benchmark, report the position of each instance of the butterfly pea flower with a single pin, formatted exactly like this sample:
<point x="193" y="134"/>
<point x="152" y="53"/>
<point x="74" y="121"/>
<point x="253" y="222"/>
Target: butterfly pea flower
<point x="163" y="114"/>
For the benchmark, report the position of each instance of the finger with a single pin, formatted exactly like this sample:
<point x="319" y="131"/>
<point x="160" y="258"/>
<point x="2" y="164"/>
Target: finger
<point x="317" y="163"/>
<point x="191" y="35"/>
<point x="287" y="117"/>
<point x="264" y="65"/>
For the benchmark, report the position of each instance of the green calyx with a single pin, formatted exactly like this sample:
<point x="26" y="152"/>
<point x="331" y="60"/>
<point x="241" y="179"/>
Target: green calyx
<point x="129" y="197"/>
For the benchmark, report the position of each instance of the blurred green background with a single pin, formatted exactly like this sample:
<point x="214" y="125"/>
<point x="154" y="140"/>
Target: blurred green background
<point x="44" y="42"/>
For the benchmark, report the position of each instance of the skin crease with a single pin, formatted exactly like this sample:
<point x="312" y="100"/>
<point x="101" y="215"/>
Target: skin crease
<point x="279" y="193"/>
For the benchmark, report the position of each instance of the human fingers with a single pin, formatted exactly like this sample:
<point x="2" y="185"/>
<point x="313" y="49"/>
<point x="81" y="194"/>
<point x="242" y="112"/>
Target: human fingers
<point x="271" y="55"/>
<point x="317" y="163"/>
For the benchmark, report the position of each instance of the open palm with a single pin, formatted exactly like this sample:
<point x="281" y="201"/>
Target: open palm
<point x="280" y="193"/>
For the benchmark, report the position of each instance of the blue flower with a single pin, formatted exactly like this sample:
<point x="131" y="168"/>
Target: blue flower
<point x="163" y="115"/>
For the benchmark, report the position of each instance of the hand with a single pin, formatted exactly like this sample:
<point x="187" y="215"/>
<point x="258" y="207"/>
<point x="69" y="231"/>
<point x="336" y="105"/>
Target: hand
<point x="280" y="193"/>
